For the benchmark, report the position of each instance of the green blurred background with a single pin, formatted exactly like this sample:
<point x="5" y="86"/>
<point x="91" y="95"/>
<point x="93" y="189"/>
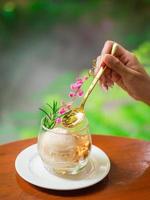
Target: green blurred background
<point x="46" y="44"/>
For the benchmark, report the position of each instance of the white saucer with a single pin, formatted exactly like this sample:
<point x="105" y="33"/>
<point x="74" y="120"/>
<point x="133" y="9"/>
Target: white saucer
<point x="30" y="167"/>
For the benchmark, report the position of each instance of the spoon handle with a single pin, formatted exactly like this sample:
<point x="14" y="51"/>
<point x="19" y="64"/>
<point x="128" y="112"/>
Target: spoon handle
<point x="97" y="77"/>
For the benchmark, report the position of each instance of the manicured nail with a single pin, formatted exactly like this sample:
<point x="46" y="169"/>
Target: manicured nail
<point x="104" y="88"/>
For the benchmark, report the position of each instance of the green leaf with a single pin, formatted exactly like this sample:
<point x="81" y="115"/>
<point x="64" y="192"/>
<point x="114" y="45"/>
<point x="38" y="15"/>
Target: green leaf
<point x="45" y="113"/>
<point x="52" y="114"/>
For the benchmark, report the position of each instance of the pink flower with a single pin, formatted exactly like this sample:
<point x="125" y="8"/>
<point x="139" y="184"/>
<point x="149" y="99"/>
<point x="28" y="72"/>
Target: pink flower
<point x="62" y="111"/>
<point x="80" y="93"/>
<point x="79" y="80"/>
<point x="75" y="86"/>
<point x="84" y="78"/>
<point x="58" y="120"/>
<point x="79" y="84"/>
<point x="72" y="94"/>
<point x="68" y="105"/>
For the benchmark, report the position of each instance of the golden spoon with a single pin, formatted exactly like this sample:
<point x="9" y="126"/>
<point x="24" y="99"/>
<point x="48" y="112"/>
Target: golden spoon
<point x="76" y="115"/>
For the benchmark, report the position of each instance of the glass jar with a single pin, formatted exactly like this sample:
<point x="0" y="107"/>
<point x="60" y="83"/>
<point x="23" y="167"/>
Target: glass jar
<point x="65" y="150"/>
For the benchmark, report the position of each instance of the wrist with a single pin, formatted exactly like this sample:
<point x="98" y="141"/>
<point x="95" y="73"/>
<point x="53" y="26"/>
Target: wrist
<point x="146" y="98"/>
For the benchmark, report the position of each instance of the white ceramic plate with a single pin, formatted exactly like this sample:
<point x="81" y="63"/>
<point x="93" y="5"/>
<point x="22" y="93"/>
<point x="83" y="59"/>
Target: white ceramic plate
<point x="30" y="167"/>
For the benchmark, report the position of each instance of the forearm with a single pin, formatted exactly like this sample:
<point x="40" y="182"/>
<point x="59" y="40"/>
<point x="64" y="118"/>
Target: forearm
<point x="144" y="91"/>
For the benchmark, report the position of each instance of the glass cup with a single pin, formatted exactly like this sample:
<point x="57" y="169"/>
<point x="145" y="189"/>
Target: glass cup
<point x="65" y="150"/>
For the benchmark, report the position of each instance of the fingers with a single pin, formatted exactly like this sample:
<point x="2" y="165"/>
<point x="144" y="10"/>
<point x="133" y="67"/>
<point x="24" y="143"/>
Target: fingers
<point x="107" y="77"/>
<point x="107" y="47"/>
<point x="114" y="63"/>
<point x="117" y="79"/>
<point x="120" y="52"/>
<point x="99" y="63"/>
<point x="105" y="80"/>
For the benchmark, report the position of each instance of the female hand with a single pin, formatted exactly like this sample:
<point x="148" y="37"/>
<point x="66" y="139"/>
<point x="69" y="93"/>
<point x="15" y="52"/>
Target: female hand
<point x="125" y="70"/>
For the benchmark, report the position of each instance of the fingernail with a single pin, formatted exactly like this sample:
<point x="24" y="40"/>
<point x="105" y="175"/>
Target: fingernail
<point x="99" y="64"/>
<point x="104" y="88"/>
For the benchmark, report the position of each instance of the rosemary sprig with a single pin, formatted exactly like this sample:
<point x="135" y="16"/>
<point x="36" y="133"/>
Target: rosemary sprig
<point x="51" y="115"/>
<point x="48" y="115"/>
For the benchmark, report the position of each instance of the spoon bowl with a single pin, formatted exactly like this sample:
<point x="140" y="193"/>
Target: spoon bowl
<point x="73" y="117"/>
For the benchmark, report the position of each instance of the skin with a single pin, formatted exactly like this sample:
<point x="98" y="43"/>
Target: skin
<point x="125" y="70"/>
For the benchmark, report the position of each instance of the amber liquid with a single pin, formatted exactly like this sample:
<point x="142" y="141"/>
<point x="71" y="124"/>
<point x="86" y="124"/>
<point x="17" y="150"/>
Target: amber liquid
<point x="71" y="160"/>
<point x="83" y="147"/>
<point x="79" y="156"/>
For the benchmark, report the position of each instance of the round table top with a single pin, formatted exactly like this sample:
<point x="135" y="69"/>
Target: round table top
<point x="129" y="177"/>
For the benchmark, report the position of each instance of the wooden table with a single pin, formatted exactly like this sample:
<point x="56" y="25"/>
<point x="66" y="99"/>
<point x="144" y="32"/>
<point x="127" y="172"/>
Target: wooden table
<point x="129" y="177"/>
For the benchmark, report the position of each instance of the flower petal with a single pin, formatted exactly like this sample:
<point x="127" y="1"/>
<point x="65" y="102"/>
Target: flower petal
<point x="72" y="94"/>
<point x="73" y="86"/>
<point x="62" y="111"/>
<point x="80" y="93"/>
<point x="84" y="78"/>
<point x="58" y="120"/>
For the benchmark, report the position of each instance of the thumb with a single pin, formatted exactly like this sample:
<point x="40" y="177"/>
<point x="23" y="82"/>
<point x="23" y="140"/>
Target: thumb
<point x="115" y="64"/>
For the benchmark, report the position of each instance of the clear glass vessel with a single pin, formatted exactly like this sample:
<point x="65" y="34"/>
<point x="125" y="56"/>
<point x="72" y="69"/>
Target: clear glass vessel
<point x="65" y="150"/>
